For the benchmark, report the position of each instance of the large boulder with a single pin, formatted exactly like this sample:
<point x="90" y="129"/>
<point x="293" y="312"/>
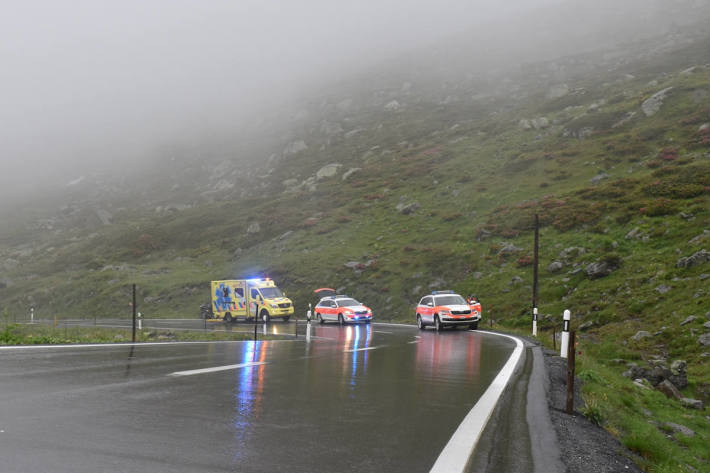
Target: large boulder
<point x="599" y="269"/>
<point x="329" y="170"/>
<point x="700" y="257"/>
<point x="652" y="105"/>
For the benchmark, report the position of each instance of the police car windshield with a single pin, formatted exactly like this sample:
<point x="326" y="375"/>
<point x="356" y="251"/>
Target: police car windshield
<point x="348" y="303"/>
<point x="271" y="292"/>
<point x="453" y="299"/>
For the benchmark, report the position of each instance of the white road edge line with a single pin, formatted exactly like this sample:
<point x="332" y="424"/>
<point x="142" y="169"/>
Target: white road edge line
<point x="455" y="455"/>
<point x="216" y="368"/>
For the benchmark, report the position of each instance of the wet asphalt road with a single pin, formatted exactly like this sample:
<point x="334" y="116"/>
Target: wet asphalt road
<point x="355" y="398"/>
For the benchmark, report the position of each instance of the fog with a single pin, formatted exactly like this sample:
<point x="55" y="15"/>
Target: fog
<point x="92" y="83"/>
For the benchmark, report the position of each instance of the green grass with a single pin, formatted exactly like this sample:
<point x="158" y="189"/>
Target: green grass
<point x="36" y="334"/>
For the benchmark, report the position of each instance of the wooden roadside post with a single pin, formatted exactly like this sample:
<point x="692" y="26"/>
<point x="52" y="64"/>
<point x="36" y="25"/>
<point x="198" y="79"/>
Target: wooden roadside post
<point x="535" y="264"/>
<point x="570" y="373"/>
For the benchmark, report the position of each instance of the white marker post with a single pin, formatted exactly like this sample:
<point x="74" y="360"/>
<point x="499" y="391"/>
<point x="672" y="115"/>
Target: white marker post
<point x="309" y="313"/>
<point x="534" y="321"/>
<point x="140" y="321"/>
<point x="32" y="315"/>
<point x="564" y="341"/>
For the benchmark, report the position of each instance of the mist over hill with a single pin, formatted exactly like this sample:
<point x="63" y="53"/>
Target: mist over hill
<point x="62" y="124"/>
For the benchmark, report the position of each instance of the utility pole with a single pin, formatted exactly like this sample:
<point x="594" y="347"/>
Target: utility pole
<point x="134" y="313"/>
<point x="535" y="265"/>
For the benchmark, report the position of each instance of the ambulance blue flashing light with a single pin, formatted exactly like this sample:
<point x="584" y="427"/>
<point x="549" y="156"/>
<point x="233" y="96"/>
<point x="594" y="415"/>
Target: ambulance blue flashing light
<point x="448" y="291"/>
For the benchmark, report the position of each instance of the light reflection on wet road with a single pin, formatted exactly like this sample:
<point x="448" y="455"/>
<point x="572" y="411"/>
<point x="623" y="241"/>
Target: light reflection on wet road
<point x="354" y="398"/>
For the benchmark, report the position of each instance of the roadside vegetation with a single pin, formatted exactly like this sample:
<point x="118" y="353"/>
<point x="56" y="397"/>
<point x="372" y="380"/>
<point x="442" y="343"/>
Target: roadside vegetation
<point x="39" y="334"/>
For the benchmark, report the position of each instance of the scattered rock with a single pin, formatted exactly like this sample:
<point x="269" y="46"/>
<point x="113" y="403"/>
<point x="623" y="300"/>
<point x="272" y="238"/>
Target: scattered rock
<point x="540" y="123"/>
<point x="697" y="239"/>
<point x="662" y="289"/>
<point x="599" y="269"/>
<point x="350" y="172"/>
<point x="571" y="252"/>
<point x="667" y="388"/>
<point x="516" y="280"/>
<point x="407" y="209"/>
<point x="295" y="147"/>
<point x="286" y="235"/>
<point x="652" y="105"/>
<point x="704" y="339"/>
<point x="105" y="216"/>
<point x="254" y="228"/>
<point x="525" y="124"/>
<point x="557" y="91"/>
<point x="687" y="216"/>
<point x="555" y="266"/>
<point x="700" y="257"/>
<point x="707" y="325"/>
<point x="586" y="326"/>
<point x="681" y="429"/>
<point x="329" y="170"/>
<point x="392" y="106"/>
<point x="599" y="177"/>
<point x="642" y="383"/>
<point x="640" y="335"/>
<point x="688" y="319"/>
<point x="691" y="403"/>
<point x="509" y="249"/>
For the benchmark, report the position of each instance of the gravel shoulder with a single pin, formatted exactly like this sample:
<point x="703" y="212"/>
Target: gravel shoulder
<point x="529" y="431"/>
<point x="584" y="446"/>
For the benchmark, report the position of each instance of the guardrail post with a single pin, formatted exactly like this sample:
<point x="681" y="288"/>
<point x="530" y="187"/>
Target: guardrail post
<point x="534" y="322"/>
<point x="570" y="374"/>
<point x="564" y="342"/>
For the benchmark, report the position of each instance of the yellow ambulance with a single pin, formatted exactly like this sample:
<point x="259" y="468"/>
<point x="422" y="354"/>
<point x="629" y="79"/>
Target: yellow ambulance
<point x="234" y="299"/>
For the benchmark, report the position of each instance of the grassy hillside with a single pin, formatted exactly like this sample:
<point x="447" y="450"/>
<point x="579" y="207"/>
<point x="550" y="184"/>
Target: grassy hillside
<point x="432" y="191"/>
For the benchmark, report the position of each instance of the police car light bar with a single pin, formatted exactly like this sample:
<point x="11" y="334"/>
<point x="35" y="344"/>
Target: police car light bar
<point x="448" y="291"/>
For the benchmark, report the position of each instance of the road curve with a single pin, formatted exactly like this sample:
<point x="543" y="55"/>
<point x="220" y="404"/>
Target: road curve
<point x="362" y="398"/>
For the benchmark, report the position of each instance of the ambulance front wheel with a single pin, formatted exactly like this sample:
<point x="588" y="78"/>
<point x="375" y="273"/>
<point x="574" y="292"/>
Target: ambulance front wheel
<point x="265" y="316"/>
<point x="228" y="318"/>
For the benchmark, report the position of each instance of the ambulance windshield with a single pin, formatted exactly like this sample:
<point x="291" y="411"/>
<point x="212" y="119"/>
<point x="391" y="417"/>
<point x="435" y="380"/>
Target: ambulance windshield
<point x="270" y="292"/>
